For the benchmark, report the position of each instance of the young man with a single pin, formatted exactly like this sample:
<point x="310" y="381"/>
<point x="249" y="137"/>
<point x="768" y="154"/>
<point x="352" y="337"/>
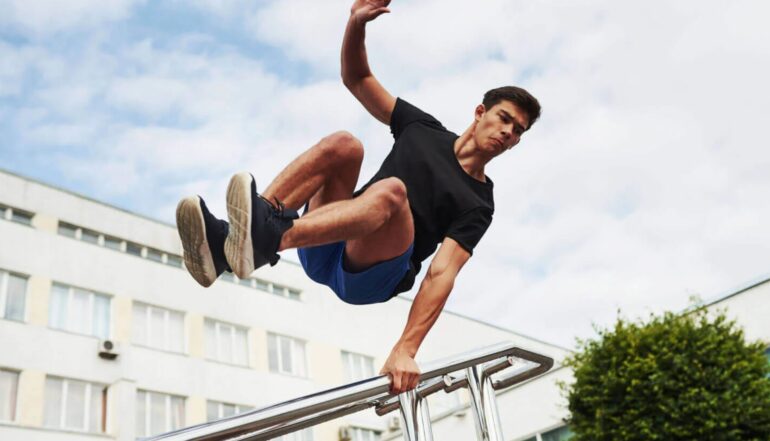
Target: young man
<point x="368" y="245"/>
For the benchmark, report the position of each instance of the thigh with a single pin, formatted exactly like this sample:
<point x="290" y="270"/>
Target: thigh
<point x="388" y="242"/>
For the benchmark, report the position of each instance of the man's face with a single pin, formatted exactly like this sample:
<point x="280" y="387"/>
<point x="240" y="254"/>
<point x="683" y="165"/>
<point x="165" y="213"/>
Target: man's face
<point x="499" y="128"/>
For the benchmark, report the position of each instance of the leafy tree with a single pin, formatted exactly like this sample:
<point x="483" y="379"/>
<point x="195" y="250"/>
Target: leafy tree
<point x="677" y="377"/>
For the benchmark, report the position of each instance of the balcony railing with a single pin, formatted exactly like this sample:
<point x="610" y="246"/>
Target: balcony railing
<point x="483" y="371"/>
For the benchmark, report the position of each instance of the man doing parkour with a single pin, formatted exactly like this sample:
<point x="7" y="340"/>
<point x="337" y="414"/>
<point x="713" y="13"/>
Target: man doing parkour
<point x="368" y="245"/>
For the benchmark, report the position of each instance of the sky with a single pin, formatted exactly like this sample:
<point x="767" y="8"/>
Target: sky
<point x="646" y="182"/>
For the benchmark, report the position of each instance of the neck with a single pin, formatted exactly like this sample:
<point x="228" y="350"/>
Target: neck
<point x="469" y="156"/>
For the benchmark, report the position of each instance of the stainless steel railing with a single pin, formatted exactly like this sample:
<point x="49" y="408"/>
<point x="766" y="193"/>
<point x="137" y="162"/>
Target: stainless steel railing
<point x="474" y="370"/>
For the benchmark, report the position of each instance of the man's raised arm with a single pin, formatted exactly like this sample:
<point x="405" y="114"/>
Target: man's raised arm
<point x="356" y="74"/>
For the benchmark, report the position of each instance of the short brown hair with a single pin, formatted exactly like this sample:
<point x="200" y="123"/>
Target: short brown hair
<point x="517" y="96"/>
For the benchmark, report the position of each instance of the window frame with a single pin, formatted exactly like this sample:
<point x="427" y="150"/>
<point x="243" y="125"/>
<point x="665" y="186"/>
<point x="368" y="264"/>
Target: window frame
<point x="5" y="277"/>
<point x="293" y="341"/>
<point x="168" y="409"/>
<point x="10" y="214"/>
<point x="239" y="409"/>
<point x="14" y="408"/>
<point x="91" y="311"/>
<point x="233" y="342"/>
<point x="348" y="359"/>
<point x="62" y="418"/>
<point x="167" y="344"/>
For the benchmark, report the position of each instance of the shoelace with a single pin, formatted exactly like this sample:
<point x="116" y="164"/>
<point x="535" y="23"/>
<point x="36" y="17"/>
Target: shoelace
<point x="280" y="212"/>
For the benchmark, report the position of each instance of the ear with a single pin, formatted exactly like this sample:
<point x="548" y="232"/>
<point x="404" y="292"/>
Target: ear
<point x="479" y="112"/>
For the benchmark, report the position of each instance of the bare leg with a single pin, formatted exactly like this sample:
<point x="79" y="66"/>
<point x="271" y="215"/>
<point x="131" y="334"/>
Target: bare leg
<point x="329" y="171"/>
<point x="377" y="225"/>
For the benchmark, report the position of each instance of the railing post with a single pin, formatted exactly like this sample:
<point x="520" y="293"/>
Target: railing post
<point x="409" y="415"/>
<point x="425" y="428"/>
<point x="488" y="427"/>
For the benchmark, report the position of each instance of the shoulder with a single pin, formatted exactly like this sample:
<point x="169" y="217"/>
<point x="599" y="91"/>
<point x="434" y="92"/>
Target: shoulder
<point x="405" y="114"/>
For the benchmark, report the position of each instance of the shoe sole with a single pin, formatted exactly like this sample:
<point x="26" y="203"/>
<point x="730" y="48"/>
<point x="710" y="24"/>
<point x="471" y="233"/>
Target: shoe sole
<point x="238" y="245"/>
<point x="192" y="232"/>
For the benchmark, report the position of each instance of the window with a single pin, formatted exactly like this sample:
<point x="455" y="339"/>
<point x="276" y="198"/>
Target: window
<point x="16" y="215"/>
<point x="359" y="434"/>
<point x="226" y="343"/>
<point x="286" y="355"/>
<point x="357" y="366"/>
<point x="74" y="405"/>
<point x="174" y="260"/>
<point x="80" y="311"/>
<point x="158" y="413"/>
<point x="560" y="434"/>
<point x="89" y="236"/>
<point x="155" y="255"/>
<point x="113" y="243"/>
<point x="302" y="435"/>
<point x="134" y="249"/>
<point x="158" y="328"/>
<point x="216" y="410"/>
<point x="68" y="230"/>
<point x="13" y="296"/>
<point x="9" y="384"/>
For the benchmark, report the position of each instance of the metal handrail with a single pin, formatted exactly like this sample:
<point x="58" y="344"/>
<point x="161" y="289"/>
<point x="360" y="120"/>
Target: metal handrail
<point x="299" y="413"/>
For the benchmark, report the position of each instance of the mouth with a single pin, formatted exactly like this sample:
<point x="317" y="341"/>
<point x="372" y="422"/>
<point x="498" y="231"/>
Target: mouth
<point x="499" y="143"/>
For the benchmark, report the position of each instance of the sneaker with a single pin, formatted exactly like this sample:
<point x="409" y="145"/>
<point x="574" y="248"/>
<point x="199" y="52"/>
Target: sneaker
<point x="257" y="226"/>
<point x="203" y="237"/>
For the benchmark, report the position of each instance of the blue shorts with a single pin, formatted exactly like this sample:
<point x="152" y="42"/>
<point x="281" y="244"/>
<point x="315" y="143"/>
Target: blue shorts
<point x="324" y="264"/>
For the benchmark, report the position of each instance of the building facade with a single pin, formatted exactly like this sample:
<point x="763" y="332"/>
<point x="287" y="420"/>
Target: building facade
<point x="104" y="335"/>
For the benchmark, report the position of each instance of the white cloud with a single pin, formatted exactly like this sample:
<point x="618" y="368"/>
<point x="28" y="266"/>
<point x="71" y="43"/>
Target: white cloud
<point x="46" y="17"/>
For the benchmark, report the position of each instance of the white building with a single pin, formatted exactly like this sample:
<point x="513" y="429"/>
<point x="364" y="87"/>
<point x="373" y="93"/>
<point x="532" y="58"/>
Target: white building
<point x="75" y="272"/>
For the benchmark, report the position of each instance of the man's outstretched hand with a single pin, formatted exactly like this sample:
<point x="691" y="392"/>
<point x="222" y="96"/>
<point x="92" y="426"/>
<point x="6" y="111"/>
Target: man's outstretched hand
<point x="364" y="11"/>
<point x="402" y="370"/>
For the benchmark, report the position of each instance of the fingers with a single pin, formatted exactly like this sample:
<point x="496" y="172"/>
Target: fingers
<point x="403" y="381"/>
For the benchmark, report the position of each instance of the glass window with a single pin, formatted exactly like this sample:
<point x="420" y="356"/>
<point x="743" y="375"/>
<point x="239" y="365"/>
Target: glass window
<point x="113" y="243"/>
<point x="89" y="236"/>
<point x="294" y="294"/>
<point x="158" y="413"/>
<point x="245" y="282"/>
<point x="158" y="328"/>
<point x="21" y="216"/>
<point x="262" y="285"/>
<point x="357" y="366"/>
<point x="13" y="296"/>
<point x="174" y="260"/>
<point x="134" y="249"/>
<point x="225" y="342"/>
<point x="79" y="310"/>
<point x="68" y="230"/>
<point x="560" y="434"/>
<point x="227" y="276"/>
<point x="279" y="290"/>
<point x="154" y="255"/>
<point x="216" y="410"/>
<point x="360" y="434"/>
<point x="74" y="405"/>
<point x="286" y="355"/>
<point x="9" y="384"/>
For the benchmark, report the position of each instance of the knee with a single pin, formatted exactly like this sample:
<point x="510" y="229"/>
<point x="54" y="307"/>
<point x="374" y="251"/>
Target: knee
<point x="342" y="147"/>
<point x="391" y="193"/>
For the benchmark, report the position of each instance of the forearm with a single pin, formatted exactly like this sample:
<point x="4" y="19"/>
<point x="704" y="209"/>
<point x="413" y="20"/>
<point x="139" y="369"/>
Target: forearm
<point x="426" y="308"/>
<point x="355" y="66"/>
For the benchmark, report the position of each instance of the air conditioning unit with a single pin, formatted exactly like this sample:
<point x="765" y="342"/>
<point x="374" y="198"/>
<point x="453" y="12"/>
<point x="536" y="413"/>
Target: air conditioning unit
<point x="108" y="349"/>
<point x="345" y="433"/>
<point x="394" y="423"/>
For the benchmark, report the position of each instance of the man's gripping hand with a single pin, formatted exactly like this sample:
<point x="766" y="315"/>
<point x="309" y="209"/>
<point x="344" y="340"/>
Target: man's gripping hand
<point x="402" y="370"/>
<point x="364" y="11"/>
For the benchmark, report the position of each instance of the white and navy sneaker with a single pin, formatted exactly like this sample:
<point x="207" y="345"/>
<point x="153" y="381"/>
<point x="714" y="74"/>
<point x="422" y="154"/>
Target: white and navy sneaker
<point x="256" y="226"/>
<point x="203" y="237"/>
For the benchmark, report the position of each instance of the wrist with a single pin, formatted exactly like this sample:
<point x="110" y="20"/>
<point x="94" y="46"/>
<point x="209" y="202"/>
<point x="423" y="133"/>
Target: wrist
<point x="405" y="348"/>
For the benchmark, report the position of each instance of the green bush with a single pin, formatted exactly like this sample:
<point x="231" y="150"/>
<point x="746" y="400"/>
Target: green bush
<point x="677" y="377"/>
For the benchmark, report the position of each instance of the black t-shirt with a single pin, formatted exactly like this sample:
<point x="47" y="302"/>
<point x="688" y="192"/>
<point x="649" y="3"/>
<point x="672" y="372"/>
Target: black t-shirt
<point x="444" y="199"/>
